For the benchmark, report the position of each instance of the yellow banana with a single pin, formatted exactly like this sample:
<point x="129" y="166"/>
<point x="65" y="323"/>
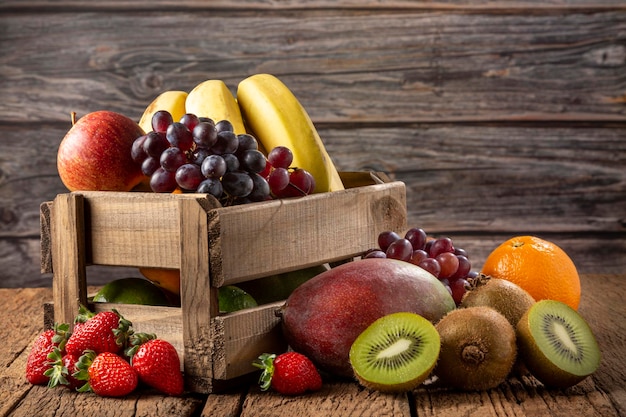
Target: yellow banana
<point x="213" y="99"/>
<point x="173" y="101"/>
<point x="276" y="118"/>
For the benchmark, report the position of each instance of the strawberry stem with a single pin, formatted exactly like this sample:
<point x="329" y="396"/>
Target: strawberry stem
<point x="265" y="362"/>
<point x="83" y="364"/>
<point x="57" y="372"/>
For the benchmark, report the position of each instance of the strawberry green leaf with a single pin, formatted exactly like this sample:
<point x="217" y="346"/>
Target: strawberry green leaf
<point x="265" y="362"/>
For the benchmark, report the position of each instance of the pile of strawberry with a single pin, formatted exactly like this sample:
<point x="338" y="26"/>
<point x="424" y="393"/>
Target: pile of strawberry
<point x="105" y="356"/>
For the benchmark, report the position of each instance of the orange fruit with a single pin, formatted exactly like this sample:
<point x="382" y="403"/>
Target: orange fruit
<point x="538" y="266"/>
<point x="168" y="279"/>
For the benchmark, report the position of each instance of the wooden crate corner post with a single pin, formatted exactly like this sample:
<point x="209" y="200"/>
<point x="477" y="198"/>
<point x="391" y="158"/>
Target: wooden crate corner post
<point x="199" y="300"/>
<point x="67" y="232"/>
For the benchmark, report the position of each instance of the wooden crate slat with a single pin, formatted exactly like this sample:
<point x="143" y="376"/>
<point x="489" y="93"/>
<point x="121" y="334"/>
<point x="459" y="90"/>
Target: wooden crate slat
<point x="199" y="300"/>
<point x="253" y="241"/>
<point x="165" y="322"/>
<point x="134" y="229"/>
<point x="240" y="337"/>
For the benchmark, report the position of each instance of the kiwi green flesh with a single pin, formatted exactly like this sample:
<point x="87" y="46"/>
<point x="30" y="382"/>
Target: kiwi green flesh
<point x="557" y="345"/>
<point x="396" y="353"/>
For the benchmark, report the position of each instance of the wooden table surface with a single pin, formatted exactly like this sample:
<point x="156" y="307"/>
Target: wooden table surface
<point x="603" y="394"/>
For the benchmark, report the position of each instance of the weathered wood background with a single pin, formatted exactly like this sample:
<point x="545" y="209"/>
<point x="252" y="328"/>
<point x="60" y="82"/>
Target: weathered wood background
<point x="502" y="118"/>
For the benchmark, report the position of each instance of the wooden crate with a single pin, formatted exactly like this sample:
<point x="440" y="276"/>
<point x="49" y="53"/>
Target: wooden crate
<point x="212" y="246"/>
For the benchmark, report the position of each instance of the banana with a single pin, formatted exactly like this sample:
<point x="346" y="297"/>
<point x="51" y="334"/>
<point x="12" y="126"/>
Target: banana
<point x="276" y="118"/>
<point x="173" y="101"/>
<point x="213" y="99"/>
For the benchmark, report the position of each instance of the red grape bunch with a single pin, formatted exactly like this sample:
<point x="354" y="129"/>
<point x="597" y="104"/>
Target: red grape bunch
<point x="436" y="255"/>
<point x="199" y="155"/>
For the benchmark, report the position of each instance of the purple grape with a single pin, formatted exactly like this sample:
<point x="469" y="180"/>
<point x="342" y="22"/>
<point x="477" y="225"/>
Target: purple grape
<point x="204" y="134"/>
<point x="137" y="153"/>
<point x="211" y="186"/>
<point x="252" y="160"/>
<point x="237" y="184"/>
<point x="417" y="237"/>
<point x="224" y="126"/>
<point x="464" y="267"/>
<point x="226" y="142"/>
<point x="149" y="165"/>
<point x="190" y="120"/>
<point x="163" y="181"/>
<point x="155" y="143"/>
<point x="172" y="158"/>
<point x="213" y="166"/>
<point x="400" y="249"/>
<point x="418" y="256"/>
<point x="386" y="238"/>
<point x="440" y="245"/>
<point x="179" y="136"/>
<point x="449" y="264"/>
<point x="278" y="179"/>
<point x="189" y="176"/>
<point x="260" y="188"/>
<point x="280" y="157"/>
<point x="375" y="253"/>
<point x="247" y="142"/>
<point x="431" y="265"/>
<point x="161" y="119"/>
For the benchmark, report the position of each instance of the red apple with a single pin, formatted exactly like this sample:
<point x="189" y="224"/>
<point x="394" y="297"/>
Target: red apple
<point x="95" y="154"/>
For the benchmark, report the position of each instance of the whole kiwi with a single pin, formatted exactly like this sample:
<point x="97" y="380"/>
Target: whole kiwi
<point x="506" y="297"/>
<point x="478" y="349"/>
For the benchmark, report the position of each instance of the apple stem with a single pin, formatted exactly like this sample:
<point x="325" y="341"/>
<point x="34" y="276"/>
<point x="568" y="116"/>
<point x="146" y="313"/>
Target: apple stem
<point x="73" y="117"/>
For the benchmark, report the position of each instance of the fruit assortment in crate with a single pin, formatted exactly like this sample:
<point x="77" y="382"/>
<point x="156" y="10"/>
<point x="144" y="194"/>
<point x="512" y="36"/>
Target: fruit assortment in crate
<point x="238" y="212"/>
<point x="212" y="246"/>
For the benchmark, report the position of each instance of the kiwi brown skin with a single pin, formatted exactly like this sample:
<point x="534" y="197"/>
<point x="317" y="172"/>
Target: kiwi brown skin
<point x="540" y="364"/>
<point x="478" y="349"/>
<point x="506" y="297"/>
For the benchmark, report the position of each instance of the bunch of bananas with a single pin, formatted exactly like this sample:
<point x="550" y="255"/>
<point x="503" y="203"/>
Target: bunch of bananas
<point x="265" y="108"/>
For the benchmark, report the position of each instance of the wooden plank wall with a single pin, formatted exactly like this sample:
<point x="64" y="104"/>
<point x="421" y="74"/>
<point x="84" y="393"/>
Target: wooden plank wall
<point x="502" y="118"/>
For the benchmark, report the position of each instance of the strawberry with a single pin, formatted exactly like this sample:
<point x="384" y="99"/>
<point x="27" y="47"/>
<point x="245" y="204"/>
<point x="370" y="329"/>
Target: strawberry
<point x="37" y="363"/>
<point x="289" y="373"/>
<point x="107" y="374"/>
<point x="84" y="314"/>
<point x="107" y="331"/>
<point x="157" y="363"/>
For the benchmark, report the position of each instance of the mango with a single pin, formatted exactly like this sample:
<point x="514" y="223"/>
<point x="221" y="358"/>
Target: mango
<point x="323" y="316"/>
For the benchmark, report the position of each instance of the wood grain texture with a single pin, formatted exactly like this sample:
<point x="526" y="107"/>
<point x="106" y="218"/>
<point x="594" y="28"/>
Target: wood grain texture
<point x="199" y="299"/>
<point x="287" y="5"/>
<point x="285" y="235"/>
<point x="359" y="67"/>
<point x="69" y="249"/>
<point x="600" y="395"/>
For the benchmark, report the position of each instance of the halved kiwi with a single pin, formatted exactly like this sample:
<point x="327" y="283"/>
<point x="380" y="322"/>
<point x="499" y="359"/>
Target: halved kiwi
<point x="478" y="348"/>
<point x="396" y="353"/>
<point x="557" y="345"/>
